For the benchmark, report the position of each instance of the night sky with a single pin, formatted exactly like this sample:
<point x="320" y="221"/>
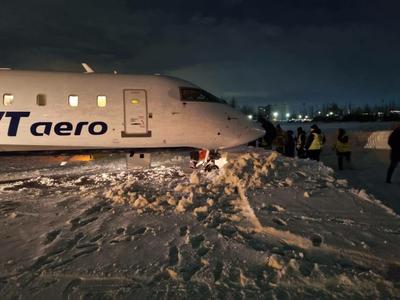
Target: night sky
<point x="257" y="51"/>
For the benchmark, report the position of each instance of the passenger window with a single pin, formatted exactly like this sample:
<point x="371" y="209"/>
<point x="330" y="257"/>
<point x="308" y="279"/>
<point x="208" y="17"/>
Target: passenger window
<point x="73" y="100"/>
<point x="8" y="99"/>
<point x="41" y="100"/>
<point x="101" y="101"/>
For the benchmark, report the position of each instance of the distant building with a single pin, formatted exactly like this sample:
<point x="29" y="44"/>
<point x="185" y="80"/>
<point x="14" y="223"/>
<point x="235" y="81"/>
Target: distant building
<point x="274" y="112"/>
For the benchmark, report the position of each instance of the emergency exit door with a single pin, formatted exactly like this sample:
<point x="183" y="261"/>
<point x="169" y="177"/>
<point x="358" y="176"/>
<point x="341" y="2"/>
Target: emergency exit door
<point x="135" y="114"/>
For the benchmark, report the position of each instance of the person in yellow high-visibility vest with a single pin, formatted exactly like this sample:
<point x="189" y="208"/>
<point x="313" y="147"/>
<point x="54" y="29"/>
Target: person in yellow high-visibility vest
<point x="342" y="147"/>
<point x="314" y="143"/>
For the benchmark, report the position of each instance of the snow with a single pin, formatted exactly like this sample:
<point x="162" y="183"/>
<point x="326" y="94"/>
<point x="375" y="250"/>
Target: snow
<point x="263" y="226"/>
<point x="378" y="140"/>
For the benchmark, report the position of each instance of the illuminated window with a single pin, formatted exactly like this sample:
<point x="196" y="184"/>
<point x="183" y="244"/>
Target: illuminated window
<point x="41" y="100"/>
<point x="73" y="100"/>
<point x="8" y="99"/>
<point x="101" y="101"/>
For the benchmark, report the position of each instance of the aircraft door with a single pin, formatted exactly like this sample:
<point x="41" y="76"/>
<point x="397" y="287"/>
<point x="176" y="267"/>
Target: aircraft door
<point x="135" y="114"/>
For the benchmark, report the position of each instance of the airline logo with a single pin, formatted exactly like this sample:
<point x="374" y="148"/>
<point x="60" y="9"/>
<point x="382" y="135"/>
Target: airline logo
<point x="48" y="128"/>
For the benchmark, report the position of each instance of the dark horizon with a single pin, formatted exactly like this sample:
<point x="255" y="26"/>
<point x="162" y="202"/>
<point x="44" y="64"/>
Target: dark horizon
<point x="259" y="52"/>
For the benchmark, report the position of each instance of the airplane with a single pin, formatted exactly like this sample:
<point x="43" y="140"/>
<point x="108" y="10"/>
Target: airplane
<point x="45" y="112"/>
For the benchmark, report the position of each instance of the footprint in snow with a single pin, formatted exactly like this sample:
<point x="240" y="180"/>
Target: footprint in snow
<point x="219" y="266"/>
<point x="196" y="241"/>
<point x="279" y="221"/>
<point x="316" y="239"/>
<point x="98" y="208"/>
<point x="78" y="222"/>
<point x="134" y="231"/>
<point x="173" y="256"/>
<point x="183" y="230"/>
<point x="51" y="236"/>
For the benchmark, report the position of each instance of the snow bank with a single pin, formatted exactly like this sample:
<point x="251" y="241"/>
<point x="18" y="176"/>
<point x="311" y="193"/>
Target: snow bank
<point x="378" y="140"/>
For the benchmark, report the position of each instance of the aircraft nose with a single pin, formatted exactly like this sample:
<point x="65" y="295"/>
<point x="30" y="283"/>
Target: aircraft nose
<point x="250" y="132"/>
<point x="257" y="131"/>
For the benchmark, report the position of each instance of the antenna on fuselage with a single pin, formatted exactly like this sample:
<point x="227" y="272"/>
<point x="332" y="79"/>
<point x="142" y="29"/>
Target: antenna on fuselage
<point x="87" y="68"/>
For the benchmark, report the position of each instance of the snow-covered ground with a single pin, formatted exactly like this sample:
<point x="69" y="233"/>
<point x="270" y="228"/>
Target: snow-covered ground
<point x="263" y="226"/>
<point x="370" y="158"/>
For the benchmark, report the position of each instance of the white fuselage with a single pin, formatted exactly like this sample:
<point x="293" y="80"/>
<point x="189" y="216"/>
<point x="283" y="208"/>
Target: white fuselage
<point x="135" y="112"/>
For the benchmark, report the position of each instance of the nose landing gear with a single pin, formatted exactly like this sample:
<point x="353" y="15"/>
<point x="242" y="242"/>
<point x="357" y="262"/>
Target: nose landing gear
<point x="204" y="159"/>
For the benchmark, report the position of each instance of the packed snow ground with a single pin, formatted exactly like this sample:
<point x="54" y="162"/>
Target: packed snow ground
<point x="263" y="226"/>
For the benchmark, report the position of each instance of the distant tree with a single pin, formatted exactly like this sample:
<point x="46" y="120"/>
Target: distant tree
<point x="357" y="110"/>
<point x="367" y="109"/>
<point x="324" y="109"/>
<point x="232" y="102"/>
<point x="247" y="110"/>
<point x="334" y="107"/>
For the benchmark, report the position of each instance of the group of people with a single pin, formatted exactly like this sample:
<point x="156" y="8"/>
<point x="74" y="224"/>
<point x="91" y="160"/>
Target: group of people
<point x="286" y="143"/>
<point x="305" y="146"/>
<point x="310" y="146"/>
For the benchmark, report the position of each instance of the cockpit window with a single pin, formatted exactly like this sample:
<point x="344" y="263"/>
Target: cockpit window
<point x="198" y="95"/>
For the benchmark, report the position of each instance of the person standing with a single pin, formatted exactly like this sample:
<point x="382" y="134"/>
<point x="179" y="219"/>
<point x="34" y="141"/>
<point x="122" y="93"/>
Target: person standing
<point x="270" y="133"/>
<point x="289" y="144"/>
<point x="279" y="139"/>
<point x="394" y="143"/>
<point x="342" y="147"/>
<point x="314" y="143"/>
<point x="300" y="143"/>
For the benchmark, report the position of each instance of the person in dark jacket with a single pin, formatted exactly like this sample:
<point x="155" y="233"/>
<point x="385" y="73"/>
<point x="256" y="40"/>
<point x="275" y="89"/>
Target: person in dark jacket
<point x="342" y="147"/>
<point x="314" y="143"/>
<point x="280" y="139"/>
<point x="301" y="143"/>
<point x="394" y="143"/>
<point x="269" y="136"/>
<point x="270" y="133"/>
<point x="289" y="144"/>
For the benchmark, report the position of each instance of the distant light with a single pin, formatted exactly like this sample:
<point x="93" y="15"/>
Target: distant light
<point x="319" y="112"/>
<point x="250" y="117"/>
<point x="306" y="117"/>
<point x="331" y="113"/>
<point x="300" y="116"/>
<point x="327" y="115"/>
<point x="287" y="115"/>
<point x="275" y="114"/>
